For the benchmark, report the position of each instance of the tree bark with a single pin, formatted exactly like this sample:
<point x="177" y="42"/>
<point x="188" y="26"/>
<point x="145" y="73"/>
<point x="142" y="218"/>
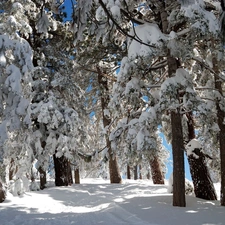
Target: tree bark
<point x="128" y="172"/>
<point x="140" y="175"/>
<point x="177" y="146"/>
<point x="203" y="185"/>
<point x="77" y="175"/>
<point x="70" y="175"/>
<point x="178" y="161"/>
<point x="43" y="179"/>
<point x="113" y="164"/>
<point x="156" y="172"/>
<point x="148" y="175"/>
<point x="114" y="170"/>
<point x="12" y="169"/>
<point x="63" y="174"/>
<point x="221" y="117"/>
<point x="220" y="120"/>
<point x="135" y="172"/>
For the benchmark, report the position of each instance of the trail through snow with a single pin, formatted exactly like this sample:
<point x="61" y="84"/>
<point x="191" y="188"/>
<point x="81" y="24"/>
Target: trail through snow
<point x="95" y="201"/>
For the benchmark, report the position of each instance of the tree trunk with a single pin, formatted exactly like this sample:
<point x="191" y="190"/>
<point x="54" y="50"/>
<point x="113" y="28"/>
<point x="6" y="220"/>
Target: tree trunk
<point x="178" y="161"/>
<point x="32" y="177"/>
<point x="2" y="193"/>
<point x="140" y="175"/>
<point x="222" y="153"/>
<point x="114" y="170"/>
<point x="148" y="175"/>
<point x="177" y="133"/>
<point x="77" y="175"/>
<point x="203" y="185"/>
<point x="113" y="165"/>
<point x="156" y="172"/>
<point x="177" y="146"/>
<point x="128" y="172"/>
<point x="70" y="175"/>
<point x="63" y="174"/>
<point x="135" y="172"/>
<point x="221" y="117"/>
<point x="12" y="169"/>
<point x="43" y="180"/>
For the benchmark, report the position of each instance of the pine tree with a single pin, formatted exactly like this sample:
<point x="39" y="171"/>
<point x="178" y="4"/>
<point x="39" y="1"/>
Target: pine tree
<point x="44" y="46"/>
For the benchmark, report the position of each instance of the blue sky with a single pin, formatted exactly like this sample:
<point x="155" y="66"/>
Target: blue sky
<point x="68" y="8"/>
<point x="170" y="163"/>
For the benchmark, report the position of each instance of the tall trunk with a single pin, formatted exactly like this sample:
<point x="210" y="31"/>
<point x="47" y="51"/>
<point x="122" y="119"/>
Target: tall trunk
<point x="63" y="174"/>
<point x="203" y="185"/>
<point x="157" y="176"/>
<point x="177" y="133"/>
<point x="178" y="161"/>
<point x="113" y="164"/>
<point x="77" y="175"/>
<point x="177" y="147"/>
<point x="221" y="117"/>
<point x="128" y="172"/>
<point x="43" y="179"/>
<point x="135" y="172"/>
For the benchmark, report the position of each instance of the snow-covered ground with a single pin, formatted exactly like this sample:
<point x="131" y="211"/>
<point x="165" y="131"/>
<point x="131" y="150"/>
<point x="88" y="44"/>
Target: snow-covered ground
<point x="95" y="201"/>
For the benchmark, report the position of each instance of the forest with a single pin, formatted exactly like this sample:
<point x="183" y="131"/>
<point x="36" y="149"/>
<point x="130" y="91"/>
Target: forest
<point x="88" y="88"/>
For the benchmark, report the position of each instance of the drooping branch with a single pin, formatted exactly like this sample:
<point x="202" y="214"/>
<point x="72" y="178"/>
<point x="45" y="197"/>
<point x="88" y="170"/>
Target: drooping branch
<point x="120" y="28"/>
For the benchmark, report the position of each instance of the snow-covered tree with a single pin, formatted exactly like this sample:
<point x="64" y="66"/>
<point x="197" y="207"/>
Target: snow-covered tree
<point x="40" y="58"/>
<point x="15" y="65"/>
<point x="154" y="34"/>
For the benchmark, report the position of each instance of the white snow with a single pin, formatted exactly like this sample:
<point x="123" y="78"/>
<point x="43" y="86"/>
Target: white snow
<point x="115" y="10"/>
<point x="147" y="33"/>
<point x="2" y="59"/>
<point x="191" y="146"/>
<point x="197" y="9"/>
<point x="95" y="201"/>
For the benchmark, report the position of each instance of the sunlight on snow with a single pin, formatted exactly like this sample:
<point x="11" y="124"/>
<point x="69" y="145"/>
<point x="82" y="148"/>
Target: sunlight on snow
<point x="191" y="211"/>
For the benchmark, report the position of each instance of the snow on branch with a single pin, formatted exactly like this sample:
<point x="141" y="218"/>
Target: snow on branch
<point x="134" y="37"/>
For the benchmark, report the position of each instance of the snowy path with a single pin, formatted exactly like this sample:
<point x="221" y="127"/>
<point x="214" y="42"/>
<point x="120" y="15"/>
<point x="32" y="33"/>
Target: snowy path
<point x="133" y="203"/>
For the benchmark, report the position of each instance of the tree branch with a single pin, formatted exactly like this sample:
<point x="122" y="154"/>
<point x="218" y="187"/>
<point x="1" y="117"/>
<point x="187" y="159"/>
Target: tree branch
<point x="137" y="21"/>
<point x="120" y="28"/>
<point x="201" y="62"/>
